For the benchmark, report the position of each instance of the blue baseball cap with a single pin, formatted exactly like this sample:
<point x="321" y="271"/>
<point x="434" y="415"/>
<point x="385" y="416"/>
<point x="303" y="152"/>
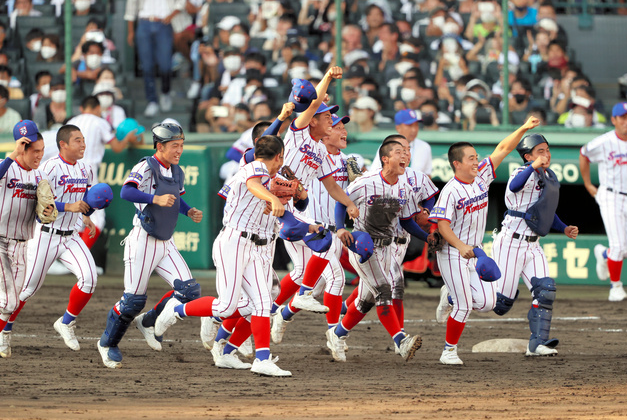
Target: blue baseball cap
<point x="127" y="126"/>
<point x="486" y="267"/>
<point x="407" y="116"/>
<point x="362" y="245"/>
<point x="99" y="196"/>
<point x="291" y="229"/>
<point x="302" y="95"/>
<point x="345" y="119"/>
<point x="619" y="109"/>
<point x="25" y="128"/>
<point x="319" y="242"/>
<point x="324" y="108"/>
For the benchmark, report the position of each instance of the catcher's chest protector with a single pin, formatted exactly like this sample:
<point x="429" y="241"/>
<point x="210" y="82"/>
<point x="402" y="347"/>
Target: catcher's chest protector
<point x="158" y="221"/>
<point x="539" y="217"/>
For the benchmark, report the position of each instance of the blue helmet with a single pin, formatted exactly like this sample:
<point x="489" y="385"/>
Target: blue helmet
<point x="527" y="144"/>
<point x="165" y="132"/>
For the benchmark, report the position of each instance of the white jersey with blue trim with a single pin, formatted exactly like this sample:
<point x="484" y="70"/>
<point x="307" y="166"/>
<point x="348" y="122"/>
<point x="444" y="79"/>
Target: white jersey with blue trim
<point x="321" y="206"/>
<point x="521" y="201"/>
<point x="610" y="153"/>
<point x="465" y="205"/>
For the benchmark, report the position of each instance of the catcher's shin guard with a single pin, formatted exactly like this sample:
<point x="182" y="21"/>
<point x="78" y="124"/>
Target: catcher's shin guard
<point x="504" y="304"/>
<point x="543" y="290"/>
<point x="130" y="306"/>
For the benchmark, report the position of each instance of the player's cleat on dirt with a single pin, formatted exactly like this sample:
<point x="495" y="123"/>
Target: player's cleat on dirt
<point x="278" y="327"/>
<point x="541" y="350"/>
<point x="216" y="350"/>
<point x="603" y="273"/>
<point x="268" y="367"/>
<point x="208" y="330"/>
<point x="444" y="307"/>
<point x="307" y="302"/>
<point x="231" y="361"/>
<point x="336" y="345"/>
<point x="108" y="355"/>
<point x="246" y="349"/>
<point x="409" y="345"/>
<point x="148" y="333"/>
<point x="66" y="331"/>
<point x="450" y="357"/>
<point x="5" y="344"/>
<point x="167" y="318"/>
<point x="617" y="292"/>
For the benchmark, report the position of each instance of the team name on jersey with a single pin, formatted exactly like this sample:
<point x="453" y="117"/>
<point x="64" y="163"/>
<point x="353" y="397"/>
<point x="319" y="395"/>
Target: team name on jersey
<point x="70" y="183"/>
<point x="22" y="190"/>
<point x="467" y="204"/>
<point x="618" y="158"/>
<point x="310" y="157"/>
<point x="381" y="201"/>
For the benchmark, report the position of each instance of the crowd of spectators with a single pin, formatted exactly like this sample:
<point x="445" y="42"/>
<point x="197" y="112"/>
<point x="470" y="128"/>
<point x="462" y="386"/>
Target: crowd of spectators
<point x="443" y="59"/>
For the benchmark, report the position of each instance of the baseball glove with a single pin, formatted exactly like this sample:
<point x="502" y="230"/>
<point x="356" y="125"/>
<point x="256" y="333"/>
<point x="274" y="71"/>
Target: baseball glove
<point x="287" y="173"/>
<point x="353" y="169"/>
<point x="45" y="198"/>
<point x="435" y="241"/>
<point x="284" y="189"/>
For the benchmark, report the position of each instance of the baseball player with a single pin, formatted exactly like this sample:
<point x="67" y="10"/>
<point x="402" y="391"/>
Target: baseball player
<point x="242" y="268"/>
<point x="155" y="186"/>
<point x="532" y="189"/>
<point x="461" y="212"/>
<point x="19" y="177"/>
<point x="380" y="197"/>
<point x="610" y="152"/>
<point x="70" y="179"/>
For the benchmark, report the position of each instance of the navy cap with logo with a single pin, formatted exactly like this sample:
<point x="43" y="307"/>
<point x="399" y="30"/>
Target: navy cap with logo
<point x="25" y="128"/>
<point x="407" y="117"/>
<point x="486" y="267"/>
<point x="345" y="119"/>
<point x="292" y="229"/>
<point x="362" y="245"/>
<point x="302" y="95"/>
<point x="619" y="109"/>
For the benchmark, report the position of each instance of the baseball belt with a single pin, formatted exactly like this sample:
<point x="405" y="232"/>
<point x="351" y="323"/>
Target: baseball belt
<point x="59" y="232"/>
<point x="382" y="241"/>
<point x="257" y="239"/>
<point x="612" y="190"/>
<point x="13" y="239"/>
<point x="525" y="238"/>
<point x="400" y="240"/>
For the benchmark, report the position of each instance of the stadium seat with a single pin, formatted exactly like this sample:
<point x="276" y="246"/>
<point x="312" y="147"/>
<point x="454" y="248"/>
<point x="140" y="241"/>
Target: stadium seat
<point x="22" y="106"/>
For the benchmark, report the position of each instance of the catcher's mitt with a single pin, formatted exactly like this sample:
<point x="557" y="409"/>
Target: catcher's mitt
<point x="435" y="241"/>
<point x="353" y="169"/>
<point x="45" y="197"/>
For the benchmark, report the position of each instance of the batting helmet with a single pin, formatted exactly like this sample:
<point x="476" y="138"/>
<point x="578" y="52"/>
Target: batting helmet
<point x="527" y="144"/>
<point x="165" y="132"/>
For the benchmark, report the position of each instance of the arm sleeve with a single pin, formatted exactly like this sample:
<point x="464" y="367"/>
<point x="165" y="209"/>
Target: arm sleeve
<point x="520" y="180"/>
<point x="60" y="206"/>
<point x="185" y="208"/>
<point x="249" y="156"/>
<point x="4" y="166"/>
<point x="340" y="215"/>
<point x="412" y="227"/>
<point x="429" y="203"/>
<point x="233" y="154"/>
<point x="301" y="205"/>
<point x="274" y="128"/>
<point x="558" y="225"/>
<point x="131" y="193"/>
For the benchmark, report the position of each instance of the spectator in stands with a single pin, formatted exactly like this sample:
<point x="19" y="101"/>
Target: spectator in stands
<point x="234" y="88"/>
<point x="351" y="82"/>
<point x="225" y="26"/>
<point x="261" y="111"/>
<point x="386" y="50"/>
<point x="276" y="40"/>
<point x="8" y="116"/>
<point x="3" y="37"/>
<point x="538" y="51"/>
<point x="34" y="40"/>
<point x="106" y="77"/>
<point x="12" y="84"/>
<point x="47" y="115"/>
<point x="475" y="110"/>
<point x="88" y="67"/>
<point x="184" y="32"/>
<point x="523" y="17"/>
<point x="351" y="38"/>
<point x="432" y="119"/>
<point x="375" y="18"/>
<point x="556" y="67"/>
<point x="42" y="81"/>
<point x="362" y="114"/>
<point x="113" y="114"/>
<point x="451" y="62"/>
<point x="539" y="113"/>
<point x="497" y="87"/>
<point x="51" y="51"/>
<point x="154" y="47"/>
<point x="82" y="7"/>
<point x="485" y="19"/>
<point x="413" y="94"/>
<point x="22" y="8"/>
<point x="563" y="90"/>
<point x="582" y="113"/>
<point x="520" y="97"/>
<point x="240" y="39"/>
<point x="94" y="31"/>
<point x="546" y="10"/>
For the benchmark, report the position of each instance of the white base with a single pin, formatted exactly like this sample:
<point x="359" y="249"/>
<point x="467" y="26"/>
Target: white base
<point x="501" y="345"/>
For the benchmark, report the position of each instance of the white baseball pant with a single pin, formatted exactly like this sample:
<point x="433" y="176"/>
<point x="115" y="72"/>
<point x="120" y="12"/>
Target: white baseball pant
<point x="613" y="208"/>
<point x="12" y="274"/>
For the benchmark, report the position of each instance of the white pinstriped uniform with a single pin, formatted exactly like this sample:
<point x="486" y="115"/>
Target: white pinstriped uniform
<point x="380" y="204"/>
<point x="97" y="132"/>
<point x="244" y="269"/>
<point x="518" y="257"/>
<point x="143" y="253"/>
<point x="18" y="198"/>
<point x="69" y="184"/>
<point x="466" y="207"/>
<point x="610" y="153"/>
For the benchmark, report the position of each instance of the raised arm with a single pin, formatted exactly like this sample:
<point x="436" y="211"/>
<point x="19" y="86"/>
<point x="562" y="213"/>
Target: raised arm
<point x="321" y="90"/>
<point x="510" y="142"/>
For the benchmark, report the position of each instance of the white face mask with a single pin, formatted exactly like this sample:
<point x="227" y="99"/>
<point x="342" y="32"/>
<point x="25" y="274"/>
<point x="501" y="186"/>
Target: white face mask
<point x="297" y="72"/>
<point x="237" y="40"/>
<point x="48" y="52"/>
<point x="452" y="58"/>
<point x="82" y="5"/>
<point x="408" y="95"/>
<point x="449" y="45"/>
<point x="232" y="63"/>
<point x="485" y="7"/>
<point x="96" y="36"/>
<point x="45" y="90"/>
<point x="36" y="46"/>
<point x="93" y="61"/>
<point x="578" y="120"/>
<point x="450" y="28"/>
<point x="402" y="67"/>
<point x="439" y="21"/>
<point x="488" y="18"/>
<point x="58" y="96"/>
<point x="455" y="72"/>
<point x="469" y="108"/>
<point x="105" y="101"/>
<point x="4" y="83"/>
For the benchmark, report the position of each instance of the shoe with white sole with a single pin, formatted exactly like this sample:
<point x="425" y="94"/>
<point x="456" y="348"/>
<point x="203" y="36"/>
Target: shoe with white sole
<point x="108" y="355"/>
<point x="277" y="331"/>
<point x="5" y="344"/>
<point x="194" y="90"/>
<point x="541" y="350"/>
<point x="450" y="357"/>
<point x="208" y="330"/>
<point x="268" y="367"/>
<point x="408" y="346"/>
<point x="246" y="349"/>
<point x="216" y="350"/>
<point x="66" y="331"/>
<point x="307" y="302"/>
<point x="603" y="273"/>
<point x="231" y="361"/>
<point x="165" y="102"/>
<point x="617" y="292"/>
<point x="151" y="109"/>
<point x="148" y="333"/>
<point x="444" y="307"/>
<point x="167" y="318"/>
<point x="337" y="345"/>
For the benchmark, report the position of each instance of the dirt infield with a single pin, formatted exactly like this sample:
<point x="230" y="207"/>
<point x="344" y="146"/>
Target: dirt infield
<point x="44" y="379"/>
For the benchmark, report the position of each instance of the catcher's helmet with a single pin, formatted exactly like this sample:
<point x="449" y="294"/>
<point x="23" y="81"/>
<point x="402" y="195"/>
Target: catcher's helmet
<point x="163" y="133"/>
<point x="527" y="144"/>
